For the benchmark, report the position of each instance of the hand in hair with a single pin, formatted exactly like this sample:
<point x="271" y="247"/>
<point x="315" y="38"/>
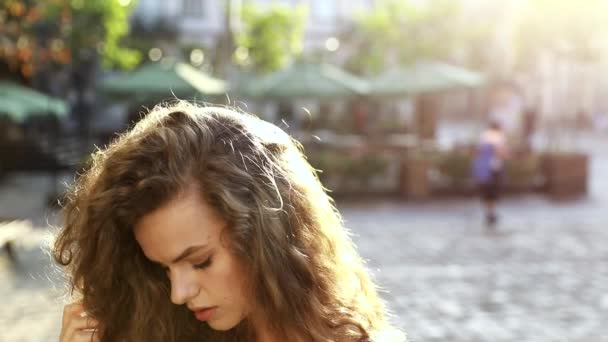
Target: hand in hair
<point x="77" y="326"/>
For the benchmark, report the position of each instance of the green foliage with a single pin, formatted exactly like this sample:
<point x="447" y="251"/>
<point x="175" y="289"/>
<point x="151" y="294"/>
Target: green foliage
<point x="455" y="167"/>
<point x="57" y="32"/>
<point x="116" y="23"/>
<point x="357" y="169"/>
<point x="269" y="38"/>
<point x="99" y="24"/>
<point x="406" y="31"/>
<point x="521" y="172"/>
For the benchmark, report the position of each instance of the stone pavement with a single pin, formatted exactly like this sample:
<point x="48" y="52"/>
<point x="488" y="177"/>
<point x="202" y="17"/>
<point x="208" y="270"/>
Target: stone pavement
<point x="30" y="290"/>
<point x="541" y="278"/>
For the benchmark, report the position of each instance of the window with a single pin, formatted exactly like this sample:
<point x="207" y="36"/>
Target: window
<point x="193" y="8"/>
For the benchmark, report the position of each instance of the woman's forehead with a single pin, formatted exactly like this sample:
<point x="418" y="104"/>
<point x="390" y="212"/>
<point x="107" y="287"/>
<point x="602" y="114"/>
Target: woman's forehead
<point x="184" y="221"/>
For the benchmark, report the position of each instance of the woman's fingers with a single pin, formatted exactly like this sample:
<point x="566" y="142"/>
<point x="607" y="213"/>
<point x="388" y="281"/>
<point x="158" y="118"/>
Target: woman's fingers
<point x="83" y="336"/>
<point x="70" y="311"/>
<point x="86" y="336"/>
<point x="77" y="326"/>
<point x="84" y="323"/>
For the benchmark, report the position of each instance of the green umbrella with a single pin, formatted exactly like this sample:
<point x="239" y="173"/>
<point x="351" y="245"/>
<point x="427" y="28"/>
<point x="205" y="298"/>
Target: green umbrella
<point x="305" y="80"/>
<point x="19" y="102"/>
<point x="423" y="77"/>
<point x="157" y="80"/>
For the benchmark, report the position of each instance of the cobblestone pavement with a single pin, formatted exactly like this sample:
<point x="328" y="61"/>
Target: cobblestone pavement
<point x="541" y="278"/>
<point x="29" y="290"/>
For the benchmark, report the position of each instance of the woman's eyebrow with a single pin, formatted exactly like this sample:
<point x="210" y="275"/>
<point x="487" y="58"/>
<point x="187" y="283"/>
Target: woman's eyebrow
<point x="187" y="252"/>
<point x="183" y="255"/>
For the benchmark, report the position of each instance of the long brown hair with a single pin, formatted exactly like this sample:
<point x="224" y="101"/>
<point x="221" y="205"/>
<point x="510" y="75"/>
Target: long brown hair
<point x="301" y="265"/>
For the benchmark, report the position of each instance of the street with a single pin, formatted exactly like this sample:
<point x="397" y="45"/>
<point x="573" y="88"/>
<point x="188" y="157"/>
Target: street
<point x="540" y="277"/>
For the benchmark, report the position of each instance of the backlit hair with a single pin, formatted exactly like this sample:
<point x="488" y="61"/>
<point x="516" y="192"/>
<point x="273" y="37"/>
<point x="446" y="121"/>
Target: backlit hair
<point x="301" y="265"/>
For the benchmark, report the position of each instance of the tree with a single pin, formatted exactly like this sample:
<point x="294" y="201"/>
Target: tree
<point x="58" y="45"/>
<point x="403" y="31"/>
<point x="37" y="34"/>
<point x="269" y="38"/>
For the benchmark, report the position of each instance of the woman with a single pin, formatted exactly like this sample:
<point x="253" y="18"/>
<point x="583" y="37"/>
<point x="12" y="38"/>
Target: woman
<point x="488" y="166"/>
<point x="204" y="224"/>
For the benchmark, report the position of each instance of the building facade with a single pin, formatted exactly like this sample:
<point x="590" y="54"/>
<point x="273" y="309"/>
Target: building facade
<point x="201" y="22"/>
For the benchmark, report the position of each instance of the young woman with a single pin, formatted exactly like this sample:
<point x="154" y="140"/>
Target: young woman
<point x="488" y="168"/>
<point x="205" y="224"/>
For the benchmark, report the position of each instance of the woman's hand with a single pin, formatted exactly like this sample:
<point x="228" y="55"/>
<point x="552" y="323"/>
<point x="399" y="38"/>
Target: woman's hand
<point x="77" y="326"/>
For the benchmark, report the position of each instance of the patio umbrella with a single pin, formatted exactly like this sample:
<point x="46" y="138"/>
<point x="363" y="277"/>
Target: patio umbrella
<point x="20" y="103"/>
<point x="304" y="80"/>
<point x="158" y="80"/>
<point x="423" y="77"/>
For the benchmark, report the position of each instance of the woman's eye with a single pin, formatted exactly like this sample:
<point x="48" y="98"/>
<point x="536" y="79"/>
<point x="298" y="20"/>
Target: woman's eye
<point x="203" y="264"/>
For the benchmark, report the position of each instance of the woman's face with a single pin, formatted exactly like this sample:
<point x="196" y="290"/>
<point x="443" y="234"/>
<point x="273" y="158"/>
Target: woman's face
<point x="183" y="237"/>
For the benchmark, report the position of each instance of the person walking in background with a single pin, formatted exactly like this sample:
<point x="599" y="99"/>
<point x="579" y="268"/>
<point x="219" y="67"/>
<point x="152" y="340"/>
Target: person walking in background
<point x="488" y="165"/>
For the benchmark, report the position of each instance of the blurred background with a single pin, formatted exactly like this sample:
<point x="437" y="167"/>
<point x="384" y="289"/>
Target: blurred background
<point x="388" y="97"/>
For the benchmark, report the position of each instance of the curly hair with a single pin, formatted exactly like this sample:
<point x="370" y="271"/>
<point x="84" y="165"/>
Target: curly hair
<point x="301" y="265"/>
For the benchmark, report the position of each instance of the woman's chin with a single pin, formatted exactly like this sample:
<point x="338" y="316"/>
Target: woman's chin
<point x="221" y="325"/>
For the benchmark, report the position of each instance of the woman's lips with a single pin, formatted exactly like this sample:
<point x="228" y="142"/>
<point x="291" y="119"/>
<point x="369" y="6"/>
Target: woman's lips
<point x="205" y="314"/>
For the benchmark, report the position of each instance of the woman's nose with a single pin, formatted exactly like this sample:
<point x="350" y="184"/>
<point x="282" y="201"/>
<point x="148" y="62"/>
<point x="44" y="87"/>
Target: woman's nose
<point x="183" y="287"/>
